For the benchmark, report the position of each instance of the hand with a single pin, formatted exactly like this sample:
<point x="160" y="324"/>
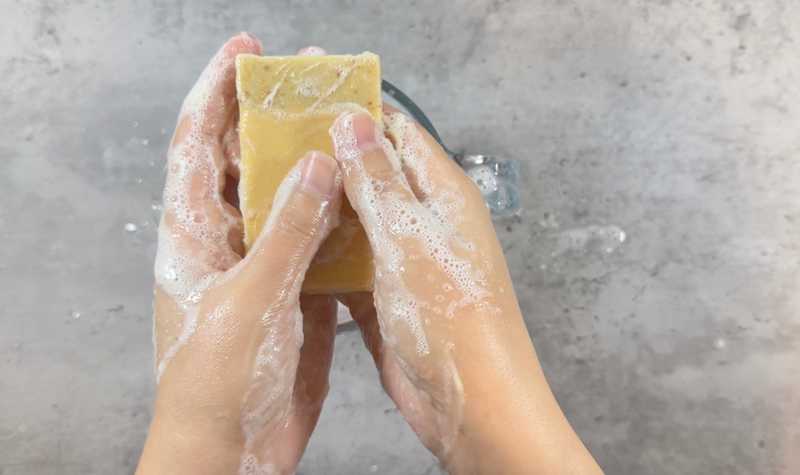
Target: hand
<point x="242" y="360"/>
<point x="443" y="324"/>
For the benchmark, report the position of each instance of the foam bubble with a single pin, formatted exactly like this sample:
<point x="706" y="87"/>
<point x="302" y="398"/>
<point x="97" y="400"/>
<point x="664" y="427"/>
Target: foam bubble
<point x="391" y="217"/>
<point x="249" y="465"/>
<point x="192" y="245"/>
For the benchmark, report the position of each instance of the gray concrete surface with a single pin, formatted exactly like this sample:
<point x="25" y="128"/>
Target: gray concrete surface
<point x="673" y="351"/>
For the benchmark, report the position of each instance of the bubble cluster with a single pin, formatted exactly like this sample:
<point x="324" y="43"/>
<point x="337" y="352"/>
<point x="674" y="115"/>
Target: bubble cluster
<point x="411" y="147"/>
<point x="267" y="401"/>
<point x="249" y="466"/>
<point x="391" y="215"/>
<point x="195" y="224"/>
<point x="221" y="312"/>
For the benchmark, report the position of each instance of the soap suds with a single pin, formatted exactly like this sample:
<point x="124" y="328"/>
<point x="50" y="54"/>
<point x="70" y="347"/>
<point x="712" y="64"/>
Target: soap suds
<point x="194" y="255"/>
<point x="193" y="233"/>
<point x="267" y="404"/>
<point x="411" y="231"/>
<point x="249" y="466"/>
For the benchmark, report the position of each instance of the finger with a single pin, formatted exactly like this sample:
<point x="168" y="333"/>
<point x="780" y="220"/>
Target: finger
<point x="206" y="122"/>
<point x="373" y="179"/>
<point x="198" y="226"/>
<point x="431" y="172"/>
<point x="311" y="51"/>
<point x="319" y="331"/>
<point x="393" y="378"/>
<point x="212" y="100"/>
<point x="311" y="381"/>
<point x="231" y="147"/>
<point x="304" y="210"/>
<point x="362" y="309"/>
<point x="389" y="109"/>
<point x="392" y="217"/>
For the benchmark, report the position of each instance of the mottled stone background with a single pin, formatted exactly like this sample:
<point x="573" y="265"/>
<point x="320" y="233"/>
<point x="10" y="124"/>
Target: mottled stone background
<point x="656" y="259"/>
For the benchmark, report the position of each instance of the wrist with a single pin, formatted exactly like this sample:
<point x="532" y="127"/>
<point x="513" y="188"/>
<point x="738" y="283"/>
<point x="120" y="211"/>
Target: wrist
<point x="187" y="439"/>
<point x="519" y="445"/>
<point x="511" y="421"/>
<point x="178" y="448"/>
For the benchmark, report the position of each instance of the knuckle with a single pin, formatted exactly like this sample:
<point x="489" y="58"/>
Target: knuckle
<point x="298" y="219"/>
<point x="385" y="174"/>
<point x="387" y="181"/>
<point x="378" y="165"/>
<point x="293" y="226"/>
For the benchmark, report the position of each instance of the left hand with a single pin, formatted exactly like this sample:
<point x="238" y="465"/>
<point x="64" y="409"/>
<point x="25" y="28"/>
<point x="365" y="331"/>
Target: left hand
<point x="242" y="359"/>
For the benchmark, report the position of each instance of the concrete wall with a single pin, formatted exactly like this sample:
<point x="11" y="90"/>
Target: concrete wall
<point x="677" y="123"/>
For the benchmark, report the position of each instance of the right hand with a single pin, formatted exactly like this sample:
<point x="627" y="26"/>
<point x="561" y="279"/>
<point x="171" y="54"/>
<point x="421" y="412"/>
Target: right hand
<point x="443" y="324"/>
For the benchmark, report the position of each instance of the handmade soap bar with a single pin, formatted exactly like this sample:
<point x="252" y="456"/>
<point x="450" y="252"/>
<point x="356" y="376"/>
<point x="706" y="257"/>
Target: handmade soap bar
<point x="286" y="106"/>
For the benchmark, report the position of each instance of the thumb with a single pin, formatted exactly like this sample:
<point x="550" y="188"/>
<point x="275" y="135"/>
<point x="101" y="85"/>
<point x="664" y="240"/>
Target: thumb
<point x="304" y="210"/>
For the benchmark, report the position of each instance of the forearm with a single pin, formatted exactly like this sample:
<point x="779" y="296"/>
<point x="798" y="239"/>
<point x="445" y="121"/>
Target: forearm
<point x="511" y="419"/>
<point x="520" y="444"/>
<point x="172" y="450"/>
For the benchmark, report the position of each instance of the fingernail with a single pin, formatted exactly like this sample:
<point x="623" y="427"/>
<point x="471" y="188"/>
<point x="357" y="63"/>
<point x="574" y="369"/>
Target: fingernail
<point x="353" y="134"/>
<point x="250" y="40"/>
<point x="364" y="131"/>
<point x="318" y="174"/>
<point x="312" y="51"/>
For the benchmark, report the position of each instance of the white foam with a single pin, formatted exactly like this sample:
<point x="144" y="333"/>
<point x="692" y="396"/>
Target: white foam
<point x="267" y="402"/>
<point x="390" y="216"/>
<point x="193" y="243"/>
<point x="399" y="226"/>
<point x="249" y="466"/>
<point x="194" y="255"/>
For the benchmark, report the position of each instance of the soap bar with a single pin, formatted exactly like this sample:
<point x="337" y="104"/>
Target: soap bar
<point x="286" y="106"/>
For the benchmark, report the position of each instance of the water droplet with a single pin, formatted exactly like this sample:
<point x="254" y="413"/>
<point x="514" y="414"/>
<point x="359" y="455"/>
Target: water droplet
<point x="720" y="343"/>
<point x="156" y="207"/>
<point x="171" y="274"/>
<point x="139" y="180"/>
<point x="135" y="124"/>
<point x="145" y="142"/>
<point x="373" y="469"/>
<point x="131" y="227"/>
<point x="76" y="314"/>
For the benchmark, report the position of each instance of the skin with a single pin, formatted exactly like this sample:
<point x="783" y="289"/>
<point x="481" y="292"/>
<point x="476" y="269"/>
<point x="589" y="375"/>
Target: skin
<point x="461" y="369"/>
<point x="202" y="396"/>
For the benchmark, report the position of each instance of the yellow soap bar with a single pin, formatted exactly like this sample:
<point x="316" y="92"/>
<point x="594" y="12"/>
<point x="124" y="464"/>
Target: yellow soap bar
<point x="286" y="106"/>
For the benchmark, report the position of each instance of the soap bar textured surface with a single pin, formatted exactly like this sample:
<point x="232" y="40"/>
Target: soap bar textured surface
<point x="286" y="106"/>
